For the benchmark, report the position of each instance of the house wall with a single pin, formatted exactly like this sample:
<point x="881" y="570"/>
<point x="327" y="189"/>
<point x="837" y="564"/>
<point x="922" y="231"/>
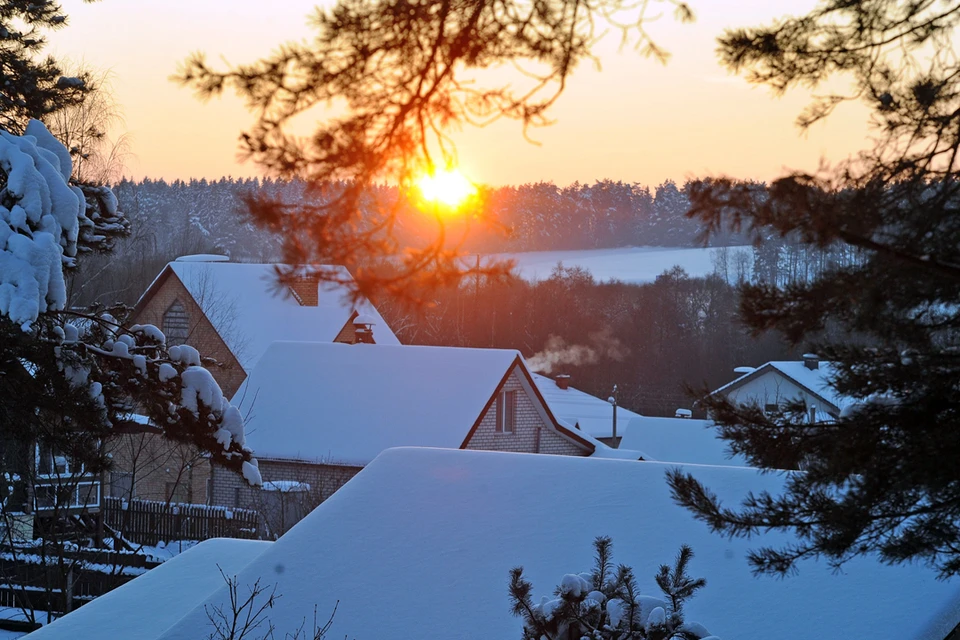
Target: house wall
<point x="229" y="375"/>
<point x="229" y="489"/>
<point x="528" y="422"/>
<point x="771" y="387"/>
<point x="157" y="469"/>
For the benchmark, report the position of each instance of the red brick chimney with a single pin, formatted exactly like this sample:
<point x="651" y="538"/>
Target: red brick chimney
<point x="563" y="381"/>
<point x="363" y="327"/>
<point x="306" y="290"/>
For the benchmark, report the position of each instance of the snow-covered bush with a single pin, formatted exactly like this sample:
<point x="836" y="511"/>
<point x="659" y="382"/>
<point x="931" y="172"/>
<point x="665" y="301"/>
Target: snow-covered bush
<point x="606" y="604"/>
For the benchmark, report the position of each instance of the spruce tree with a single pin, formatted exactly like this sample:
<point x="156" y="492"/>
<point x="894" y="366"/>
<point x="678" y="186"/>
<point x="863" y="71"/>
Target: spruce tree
<point x="32" y="86"/>
<point x="606" y="604"/>
<point x="878" y="479"/>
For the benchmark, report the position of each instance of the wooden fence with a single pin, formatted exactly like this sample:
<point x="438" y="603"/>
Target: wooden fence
<point x="27" y="582"/>
<point x="150" y="522"/>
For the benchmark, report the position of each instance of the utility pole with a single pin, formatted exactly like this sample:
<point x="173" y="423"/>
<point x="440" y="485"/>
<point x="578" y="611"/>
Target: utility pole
<point x="613" y="401"/>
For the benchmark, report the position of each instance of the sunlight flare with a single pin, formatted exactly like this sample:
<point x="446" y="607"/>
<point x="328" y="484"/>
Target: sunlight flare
<point x="449" y="188"/>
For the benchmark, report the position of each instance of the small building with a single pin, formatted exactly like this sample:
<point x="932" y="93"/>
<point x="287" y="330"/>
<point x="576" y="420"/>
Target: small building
<point x="774" y="383"/>
<point x="316" y="413"/>
<point x="424" y="539"/>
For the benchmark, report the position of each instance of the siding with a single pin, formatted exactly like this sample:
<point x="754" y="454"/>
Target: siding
<point x="528" y="423"/>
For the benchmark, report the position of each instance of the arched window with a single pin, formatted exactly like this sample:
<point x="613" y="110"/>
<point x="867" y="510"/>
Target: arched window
<point x="176" y="324"/>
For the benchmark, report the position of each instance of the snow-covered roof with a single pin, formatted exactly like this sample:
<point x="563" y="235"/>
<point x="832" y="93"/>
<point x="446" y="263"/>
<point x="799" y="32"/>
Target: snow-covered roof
<point x="423" y="540"/>
<point x="678" y="440"/>
<point x="816" y="381"/>
<point x="247" y="309"/>
<point x="593" y="415"/>
<point x="153" y="602"/>
<point x="347" y="403"/>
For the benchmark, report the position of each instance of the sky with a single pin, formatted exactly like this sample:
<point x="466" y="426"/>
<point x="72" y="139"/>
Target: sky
<point x="632" y="120"/>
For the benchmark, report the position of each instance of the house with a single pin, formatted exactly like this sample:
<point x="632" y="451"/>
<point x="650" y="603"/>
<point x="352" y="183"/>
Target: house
<point x="424" y="539"/>
<point x="316" y="413"/>
<point x="590" y="413"/>
<point x="678" y="440"/>
<point x="772" y="384"/>
<point x="231" y="312"/>
<point x="160" y="597"/>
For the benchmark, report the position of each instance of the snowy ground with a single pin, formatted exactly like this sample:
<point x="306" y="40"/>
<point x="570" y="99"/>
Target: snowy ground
<point x="628" y="264"/>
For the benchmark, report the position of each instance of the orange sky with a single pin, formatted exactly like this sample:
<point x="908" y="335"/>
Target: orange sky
<point x="635" y="120"/>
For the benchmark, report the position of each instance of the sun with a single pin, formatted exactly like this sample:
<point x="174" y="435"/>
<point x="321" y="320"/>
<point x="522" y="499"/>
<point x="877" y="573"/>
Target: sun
<point x="448" y="188"/>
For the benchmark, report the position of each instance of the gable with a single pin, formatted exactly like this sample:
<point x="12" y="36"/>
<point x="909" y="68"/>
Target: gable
<point x="534" y="428"/>
<point x="168" y="290"/>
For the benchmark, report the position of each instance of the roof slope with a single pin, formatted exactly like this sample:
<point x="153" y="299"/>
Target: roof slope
<point x="593" y="414"/>
<point x="347" y="403"/>
<point x="420" y="543"/>
<point x="816" y="380"/>
<point x="155" y="601"/>
<point x="244" y="305"/>
<point x="678" y="440"/>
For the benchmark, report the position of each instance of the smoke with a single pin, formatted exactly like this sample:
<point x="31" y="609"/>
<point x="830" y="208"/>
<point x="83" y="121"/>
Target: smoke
<point x="601" y="346"/>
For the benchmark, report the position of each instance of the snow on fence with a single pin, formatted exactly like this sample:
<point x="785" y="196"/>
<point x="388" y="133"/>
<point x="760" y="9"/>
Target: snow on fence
<point x="150" y="522"/>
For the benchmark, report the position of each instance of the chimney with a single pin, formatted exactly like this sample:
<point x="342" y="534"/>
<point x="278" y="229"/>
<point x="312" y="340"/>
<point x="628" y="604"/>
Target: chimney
<point x="811" y="361"/>
<point x="683" y="413"/>
<point x="563" y="381"/>
<point x="363" y="329"/>
<point x="306" y="290"/>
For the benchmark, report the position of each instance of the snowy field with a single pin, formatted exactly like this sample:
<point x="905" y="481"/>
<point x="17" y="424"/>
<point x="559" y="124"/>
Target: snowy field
<point x="635" y="265"/>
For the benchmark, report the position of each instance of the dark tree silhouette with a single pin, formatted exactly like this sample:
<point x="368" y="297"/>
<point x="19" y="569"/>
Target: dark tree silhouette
<point x="40" y="88"/>
<point x="405" y="73"/>
<point x="876" y="480"/>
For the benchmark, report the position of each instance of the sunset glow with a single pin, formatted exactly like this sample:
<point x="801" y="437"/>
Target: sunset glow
<point x="449" y="188"/>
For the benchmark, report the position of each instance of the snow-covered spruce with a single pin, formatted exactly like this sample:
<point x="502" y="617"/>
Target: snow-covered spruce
<point x="606" y="604"/>
<point x="89" y="371"/>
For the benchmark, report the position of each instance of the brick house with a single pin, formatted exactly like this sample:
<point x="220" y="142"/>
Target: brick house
<point x="230" y="312"/>
<point x="317" y="413"/>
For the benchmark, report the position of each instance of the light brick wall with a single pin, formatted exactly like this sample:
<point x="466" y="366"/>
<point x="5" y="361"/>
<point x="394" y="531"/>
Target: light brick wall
<point x="155" y="463"/>
<point x="229" y="489"/>
<point x="229" y="375"/>
<point x="524" y="437"/>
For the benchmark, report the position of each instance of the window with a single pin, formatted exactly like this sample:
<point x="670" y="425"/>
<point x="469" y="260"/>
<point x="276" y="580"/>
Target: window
<point x="176" y="492"/>
<point x="51" y="462"/>
<point x="506" y="411"/>
<point x="176" y="324"/>
<point x="121" y="484"/>
<point x="236" y="497"/>
<point x="770" y="408"/>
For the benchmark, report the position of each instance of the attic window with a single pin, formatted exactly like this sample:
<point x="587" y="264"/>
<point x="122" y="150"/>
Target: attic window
<point x="506" y="411"/>
<point x="176" y="324"/>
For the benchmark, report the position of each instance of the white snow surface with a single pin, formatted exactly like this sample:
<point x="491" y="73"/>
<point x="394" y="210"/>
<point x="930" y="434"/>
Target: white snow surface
<point x="153" y="602"/>
<point x="593" y="415"/>
<point x="347" y="403"/>
<point x="678" y="440"/>
<point x="419" y="544"/>
<point x="242" y="302"/>
<point x="635" y="265"/>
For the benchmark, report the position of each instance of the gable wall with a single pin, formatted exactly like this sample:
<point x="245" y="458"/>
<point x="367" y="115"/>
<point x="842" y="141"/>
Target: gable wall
<point x="203" y="336"/>
<point x="524" y="437"/>
<point x="773" y="388"/>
